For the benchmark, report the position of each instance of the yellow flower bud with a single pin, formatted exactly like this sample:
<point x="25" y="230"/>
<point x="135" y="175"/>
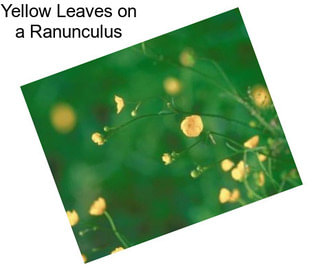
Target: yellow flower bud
<point x="117" y="250"/>
<point x="84" y="258"/>
<point x="192" y="126"/>
<point x="133" y="113"/>
<point x="252" y="142"/>
<point x="235" y="195"/>
<point x="97" y="138"/>
<point x="73" y="217"/>
<point x="120" y="103"/>
<point x="224" y="195"/>
<point x="261" y="179"/>
<point x="172" y="85"/>
<point x="195" y="173"/>
<point x="186" y="58"/>
<point x="261" y="157"/>
<point x="260" y="96"/>
<point x="63" y="118"/>
<point x="98" y="207"/>
<point x="252" y="124"/>
<point x="167" y="159"/>
<point x="226" y="164"/>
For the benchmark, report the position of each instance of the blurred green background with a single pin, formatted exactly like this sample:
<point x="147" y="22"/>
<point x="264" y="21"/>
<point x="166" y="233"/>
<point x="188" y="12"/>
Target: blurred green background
<point x="145" y="197"/>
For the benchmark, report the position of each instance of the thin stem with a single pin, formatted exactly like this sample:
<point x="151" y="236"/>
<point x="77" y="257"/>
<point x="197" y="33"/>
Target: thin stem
<point x="114" y="129"/>
<point x="114" y="229"/>
<point x="191" y="146"/>
<point x="245" y="181"/>
<point x="266" y="171"/>
<point x="282" y="185"/>
<point x="227" y="138"/>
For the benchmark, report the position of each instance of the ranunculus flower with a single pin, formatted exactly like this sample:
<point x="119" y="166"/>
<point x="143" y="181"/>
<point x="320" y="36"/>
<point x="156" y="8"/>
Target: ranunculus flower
<point x="120" y="103"/>
<point x="192" y="126"/>
<point x="252" y="142"/>
<point x="73" y="217"/>
<point x="172" y="85"/>
<point x="98" y="138"/>
<point x="226" y="164"/>
<point x="98" y="207"/>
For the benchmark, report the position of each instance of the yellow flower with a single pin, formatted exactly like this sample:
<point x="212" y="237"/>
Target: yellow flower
<point x="226" y="164"/>
<point x="73" y="217"/>
<point x="172" y="85"/>
<point x="167" y="159"/>
<point x="261" y="179"/>
<point x="192" y="126"/>
<point x="239" y="171"/>
<point x="97" y="138"/>
<point x="241" y="166"/>
<point x="117" y="250"/>
<point x="98" y="207"/>
<point x="252" y="142"/>
<point x="84" y="258"/>
<point x="186" y="58"/>
<point x="235" y="195"/>
<point x="224" y="195"/>
<point x="63" y="118"/>
<point x="260" y="96"/>
<point x="120" y="103"/>
<point x="261" y="157"/>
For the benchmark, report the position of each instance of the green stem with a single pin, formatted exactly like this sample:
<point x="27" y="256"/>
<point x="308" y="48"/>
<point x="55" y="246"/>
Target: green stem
<point x="114" y="129"/>
<point x="190" y="147"/>
<point x="245" y="180"/>
<point x="266" y="171"/>
<point x="114" y="229"/>
<point x="227" y="138"/>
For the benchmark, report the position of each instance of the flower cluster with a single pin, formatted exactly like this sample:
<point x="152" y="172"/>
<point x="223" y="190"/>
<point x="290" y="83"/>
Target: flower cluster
<point x="226" y="195"/>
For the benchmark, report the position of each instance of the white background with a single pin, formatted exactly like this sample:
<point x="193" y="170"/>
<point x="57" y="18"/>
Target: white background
<point x="283" y="232"/>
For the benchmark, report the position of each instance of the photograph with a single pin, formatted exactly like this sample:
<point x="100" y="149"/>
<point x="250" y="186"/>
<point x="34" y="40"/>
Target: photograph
<point x="161" y="135"/>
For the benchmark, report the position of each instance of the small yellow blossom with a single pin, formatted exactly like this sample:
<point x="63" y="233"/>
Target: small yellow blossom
<point x="73" y="217"/>
<point x="63" y="118"/>
<point x="98" y="207"/>
<point x="261" y="157"/>
<point x="120" y="103"/>
<point x="224" y="195"/>
<point x="84" y="258"/>
<point x="167" y="159"/>
<point x="192" y="126"/>
<point x="241" y="166"/>
<point x="227" y="196"/>
<point x="117" y="250"/>
<point x="98" y="138"/>
<point x="252" y="142"/>
<point x="237" y="174"/>
<point x="172" y="85"/>
<point x="235" y="195"/>
<point x="261" y="179"/>
<point x="227" y="165"/>
<point x="186" y="58"/>
<point x="239" y="171"/>
<point x="260" y="96"/>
